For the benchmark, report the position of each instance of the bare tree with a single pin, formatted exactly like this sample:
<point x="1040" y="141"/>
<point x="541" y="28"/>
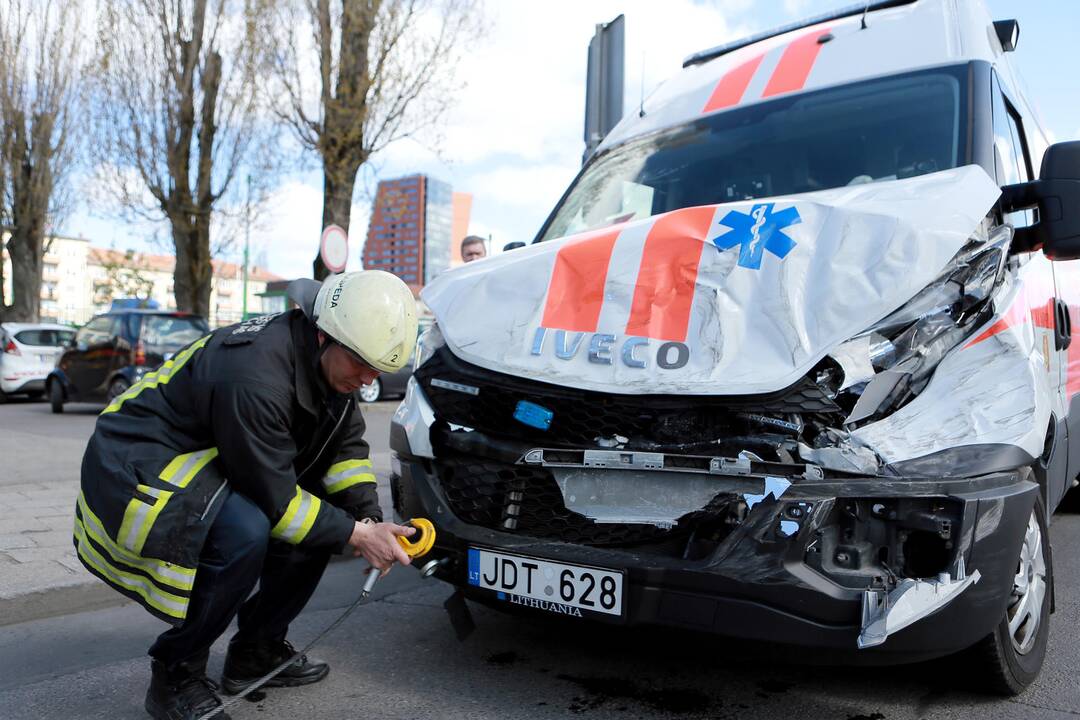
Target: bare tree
<point x="356" y="75"/>
<point x="39" y="111"/>
<point x="178" y="103"/>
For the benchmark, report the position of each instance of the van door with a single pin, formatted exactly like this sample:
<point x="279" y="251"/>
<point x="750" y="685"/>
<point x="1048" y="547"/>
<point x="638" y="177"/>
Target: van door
<point x="1046" y="284"/>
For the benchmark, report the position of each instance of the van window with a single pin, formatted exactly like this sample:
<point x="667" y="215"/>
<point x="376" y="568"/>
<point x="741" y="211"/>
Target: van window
<point x="1009" y="152"/>
<point x="881" y="129"/>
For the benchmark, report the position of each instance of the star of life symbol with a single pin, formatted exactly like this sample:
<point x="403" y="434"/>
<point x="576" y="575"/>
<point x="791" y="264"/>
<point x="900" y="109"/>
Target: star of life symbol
<point x="757" y="232"/>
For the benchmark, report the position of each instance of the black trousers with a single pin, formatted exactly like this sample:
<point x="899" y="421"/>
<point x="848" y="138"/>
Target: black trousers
<point x="238" y="554"/>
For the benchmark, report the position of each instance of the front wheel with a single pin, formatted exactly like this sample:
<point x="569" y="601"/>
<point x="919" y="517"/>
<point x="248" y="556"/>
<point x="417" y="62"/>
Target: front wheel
<point x="1013" y="654"/>
<point x="371" y="393"/>
<point x="56" y="397"/>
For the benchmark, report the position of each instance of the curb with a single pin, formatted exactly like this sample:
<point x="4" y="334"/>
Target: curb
<point x="65" y="600"/>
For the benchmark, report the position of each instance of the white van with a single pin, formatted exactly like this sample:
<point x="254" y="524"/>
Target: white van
<point x="790" y="360"/>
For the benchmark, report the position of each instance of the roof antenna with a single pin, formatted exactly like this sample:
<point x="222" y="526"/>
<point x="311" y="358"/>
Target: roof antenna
<point x="641" y="106"/>
<point x="865" y="10"/>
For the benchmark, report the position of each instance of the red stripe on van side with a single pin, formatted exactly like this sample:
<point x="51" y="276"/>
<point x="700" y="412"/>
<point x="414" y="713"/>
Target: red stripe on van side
<point x="795" y="64"/>
<point x="1072" y="367"/>
<point x="668" y="275"/>
<point x="732" y="85"/>
<point x="576" y="291"/>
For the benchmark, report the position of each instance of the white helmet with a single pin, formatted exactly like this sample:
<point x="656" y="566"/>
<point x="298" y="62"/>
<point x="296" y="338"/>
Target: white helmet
<point x="370" y="312"/>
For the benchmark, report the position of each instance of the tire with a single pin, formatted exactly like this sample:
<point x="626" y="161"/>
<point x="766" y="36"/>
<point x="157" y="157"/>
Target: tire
<point x="371" y="393"/>
<point x="1011" y="659"/>
<point x="117" y="387"/>
<point x="3" y="397"/>
<point x="56" y="397"/>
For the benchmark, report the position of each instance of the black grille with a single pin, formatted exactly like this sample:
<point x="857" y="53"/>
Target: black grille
<point x="526" y="501"/>
<point x="579" y="417"/>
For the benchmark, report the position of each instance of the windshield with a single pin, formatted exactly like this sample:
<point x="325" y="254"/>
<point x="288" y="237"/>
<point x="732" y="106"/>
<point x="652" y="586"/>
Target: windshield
<point x="882" y="129"/>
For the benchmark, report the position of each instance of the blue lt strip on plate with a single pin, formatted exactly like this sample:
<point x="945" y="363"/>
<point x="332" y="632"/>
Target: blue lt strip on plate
<point x="474" y="566"/>
<point x="533" y="415"/>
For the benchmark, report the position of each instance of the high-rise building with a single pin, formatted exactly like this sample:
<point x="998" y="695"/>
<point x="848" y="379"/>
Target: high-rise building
<point x="410" y="232"/>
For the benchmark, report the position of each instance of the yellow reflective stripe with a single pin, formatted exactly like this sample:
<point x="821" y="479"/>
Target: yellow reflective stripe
<point x="178" y="576"/>
<point x="139" y="517"/>
<point x="161" y="376"/>
<point x="172" y="605"/>
<point x="183" y="468"/>
<point x="345" y="474"/>
<point x="298" y="519"/>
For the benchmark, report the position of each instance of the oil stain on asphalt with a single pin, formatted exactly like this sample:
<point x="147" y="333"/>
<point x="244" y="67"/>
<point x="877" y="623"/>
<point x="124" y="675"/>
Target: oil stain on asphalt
<point x="600" y="691"/>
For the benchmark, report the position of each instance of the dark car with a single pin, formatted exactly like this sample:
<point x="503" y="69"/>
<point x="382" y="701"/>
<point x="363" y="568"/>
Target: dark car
<point x="387" y="385"/>
<point x="114" y="350"/>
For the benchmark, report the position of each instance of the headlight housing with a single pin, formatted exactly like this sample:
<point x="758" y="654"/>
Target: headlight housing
<point x="894" y="359"/>
<point x="429" y="341"/>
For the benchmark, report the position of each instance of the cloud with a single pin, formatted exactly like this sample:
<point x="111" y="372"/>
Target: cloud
<point x="288" y="229"/>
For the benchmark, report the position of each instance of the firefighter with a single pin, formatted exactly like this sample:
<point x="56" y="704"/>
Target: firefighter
<point x="241" y="461"/>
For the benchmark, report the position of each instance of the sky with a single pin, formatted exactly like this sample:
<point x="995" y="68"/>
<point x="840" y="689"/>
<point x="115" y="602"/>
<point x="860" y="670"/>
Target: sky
<point x="514" y="138"/>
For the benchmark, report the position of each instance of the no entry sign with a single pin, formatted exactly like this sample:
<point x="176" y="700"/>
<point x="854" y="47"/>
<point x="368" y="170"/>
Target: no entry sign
<point x="334" y="248"/>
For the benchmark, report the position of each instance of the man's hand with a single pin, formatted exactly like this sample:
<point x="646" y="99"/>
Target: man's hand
<point x="377" y="543"/>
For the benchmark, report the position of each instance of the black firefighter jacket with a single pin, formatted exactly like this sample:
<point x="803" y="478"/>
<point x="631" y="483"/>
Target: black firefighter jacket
<point x="245" y="408"/>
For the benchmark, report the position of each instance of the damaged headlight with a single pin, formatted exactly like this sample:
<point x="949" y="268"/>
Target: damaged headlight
<point x="893" y="360"/>
<point x="427" y="344"/>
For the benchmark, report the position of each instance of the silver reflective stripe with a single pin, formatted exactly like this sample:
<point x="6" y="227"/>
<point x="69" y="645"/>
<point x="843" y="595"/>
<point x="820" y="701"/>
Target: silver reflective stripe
<point x="139" y="520"/>
<point x="178" y="477"/>
<point x="182" y="578"/>
<point x="293" y="529"/>
<point x="135" y="583"/>
<point x="333" y="483"/>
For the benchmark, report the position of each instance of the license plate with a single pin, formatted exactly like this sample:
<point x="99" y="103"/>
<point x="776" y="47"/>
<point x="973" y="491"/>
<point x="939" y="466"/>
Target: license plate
<point x="545" y="585"/>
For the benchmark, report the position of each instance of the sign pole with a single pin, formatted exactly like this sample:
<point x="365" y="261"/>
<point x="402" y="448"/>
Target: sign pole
<point x="247" y="246"/>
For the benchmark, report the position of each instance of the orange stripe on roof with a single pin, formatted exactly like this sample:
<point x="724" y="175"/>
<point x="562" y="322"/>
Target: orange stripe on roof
<point x="668" y="275"/>
<point x="729" y="90"/>
<point x="795" y="64"/>
<point x="576" y="291"/>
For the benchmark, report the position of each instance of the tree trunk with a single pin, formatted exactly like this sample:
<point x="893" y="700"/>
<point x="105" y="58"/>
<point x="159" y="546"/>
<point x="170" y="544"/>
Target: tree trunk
<point x="337" y="207"/>
<point x="193" y="274"/>
<point x="31" y="186"/>
<point x="25" y="248"/>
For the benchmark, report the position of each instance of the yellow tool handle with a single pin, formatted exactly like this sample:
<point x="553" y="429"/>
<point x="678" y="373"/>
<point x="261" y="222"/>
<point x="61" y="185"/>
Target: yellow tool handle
<point x="421" y="541"/>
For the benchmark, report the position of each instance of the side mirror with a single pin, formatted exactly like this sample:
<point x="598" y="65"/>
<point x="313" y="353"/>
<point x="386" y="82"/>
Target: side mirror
<point x="1057" y="195"/>
<point x="513" y="246"/>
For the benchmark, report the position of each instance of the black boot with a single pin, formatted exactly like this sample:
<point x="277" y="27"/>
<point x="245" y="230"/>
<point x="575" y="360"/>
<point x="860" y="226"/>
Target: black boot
<point x="248" y="661"/>
<point x="181" y="692"/>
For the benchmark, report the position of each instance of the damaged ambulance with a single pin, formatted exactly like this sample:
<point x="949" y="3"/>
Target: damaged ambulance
<point x="789" y="361"/>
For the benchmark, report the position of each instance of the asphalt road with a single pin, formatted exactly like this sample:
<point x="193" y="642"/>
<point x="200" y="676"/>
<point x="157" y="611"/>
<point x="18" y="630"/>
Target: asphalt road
<point x="397" y="657"/>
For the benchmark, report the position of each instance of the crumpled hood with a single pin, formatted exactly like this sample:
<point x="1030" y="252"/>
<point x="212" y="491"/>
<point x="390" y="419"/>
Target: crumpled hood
<point x="730" y="299"/>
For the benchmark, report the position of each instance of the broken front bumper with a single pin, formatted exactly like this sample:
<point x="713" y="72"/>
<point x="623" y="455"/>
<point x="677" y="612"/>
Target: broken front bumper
<point x="798" y="569"/>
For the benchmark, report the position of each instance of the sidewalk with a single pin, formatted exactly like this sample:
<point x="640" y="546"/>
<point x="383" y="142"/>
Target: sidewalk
<point x="40" y="458"/>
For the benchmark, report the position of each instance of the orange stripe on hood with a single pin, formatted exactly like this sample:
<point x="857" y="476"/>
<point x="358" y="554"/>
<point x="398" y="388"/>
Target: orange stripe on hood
<point x="576" y="291"/>
<point x="668" y="275"/>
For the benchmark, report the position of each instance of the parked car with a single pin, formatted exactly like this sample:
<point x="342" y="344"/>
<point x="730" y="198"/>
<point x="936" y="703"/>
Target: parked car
<point x="790" y="361"/>
<point x="29" y="355"/>
<point x="114" y="350"/>
<point x="387" y="385"/>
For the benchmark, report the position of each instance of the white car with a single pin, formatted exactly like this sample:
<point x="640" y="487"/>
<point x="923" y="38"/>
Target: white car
<point x="29" y="354"/>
